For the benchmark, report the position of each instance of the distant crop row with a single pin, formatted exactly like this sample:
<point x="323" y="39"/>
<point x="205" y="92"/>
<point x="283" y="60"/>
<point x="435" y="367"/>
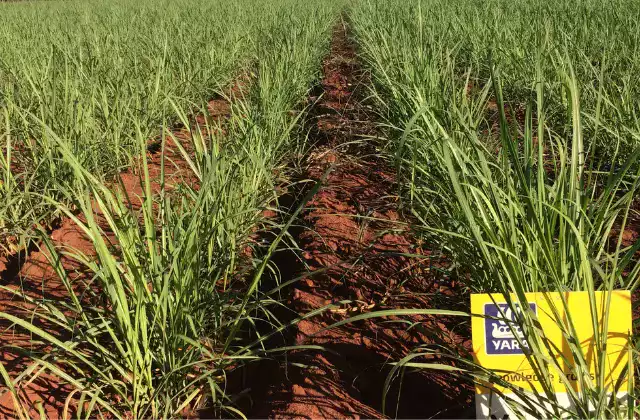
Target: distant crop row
<point x="530" y="43"/>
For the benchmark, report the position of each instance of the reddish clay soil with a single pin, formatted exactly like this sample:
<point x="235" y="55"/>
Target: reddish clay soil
<point x="32" y="272"/>
<point x="358" y="247"/>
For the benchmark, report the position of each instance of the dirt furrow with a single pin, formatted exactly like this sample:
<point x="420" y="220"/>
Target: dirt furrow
<point x="358" y="247"/>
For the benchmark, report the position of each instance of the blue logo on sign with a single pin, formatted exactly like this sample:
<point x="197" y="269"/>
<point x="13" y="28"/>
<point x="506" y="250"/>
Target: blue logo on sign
<point x="501" y="331"/>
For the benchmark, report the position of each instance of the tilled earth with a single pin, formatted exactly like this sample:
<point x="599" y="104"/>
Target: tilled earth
<point x="357" y="247"/>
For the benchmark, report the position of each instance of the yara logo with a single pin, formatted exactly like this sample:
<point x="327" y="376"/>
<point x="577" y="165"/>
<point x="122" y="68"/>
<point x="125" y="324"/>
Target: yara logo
<point x="503" y="335"/>
<point x="501" y="329"/>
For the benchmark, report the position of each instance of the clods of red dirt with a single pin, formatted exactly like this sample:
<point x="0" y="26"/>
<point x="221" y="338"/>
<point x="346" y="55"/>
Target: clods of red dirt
<point x="356" y="246"/>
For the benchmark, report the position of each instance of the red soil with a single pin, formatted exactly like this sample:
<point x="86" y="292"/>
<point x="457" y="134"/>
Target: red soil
<point x="353" y="247"/>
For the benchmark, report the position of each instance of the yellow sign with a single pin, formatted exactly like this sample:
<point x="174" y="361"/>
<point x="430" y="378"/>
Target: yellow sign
<point x="501" y="345"/>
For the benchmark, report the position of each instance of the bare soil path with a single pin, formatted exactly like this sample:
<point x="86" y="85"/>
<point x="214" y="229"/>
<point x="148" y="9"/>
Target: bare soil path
<point x="362" y="250"/>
